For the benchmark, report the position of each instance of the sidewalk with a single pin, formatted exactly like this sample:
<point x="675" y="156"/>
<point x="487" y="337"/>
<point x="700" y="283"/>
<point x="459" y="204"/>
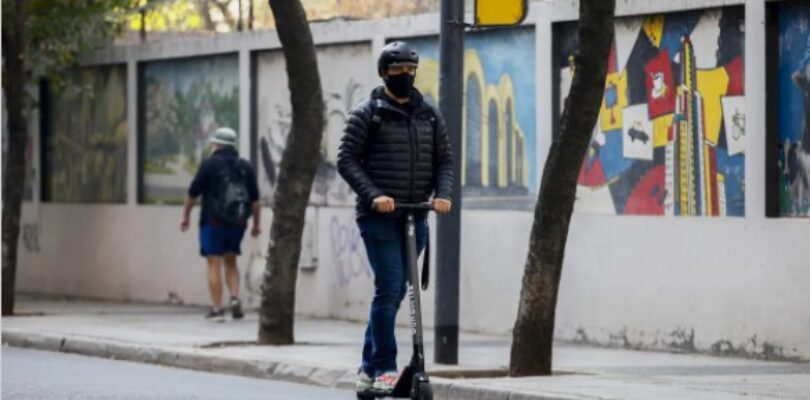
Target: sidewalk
<point x="328" y="351"/>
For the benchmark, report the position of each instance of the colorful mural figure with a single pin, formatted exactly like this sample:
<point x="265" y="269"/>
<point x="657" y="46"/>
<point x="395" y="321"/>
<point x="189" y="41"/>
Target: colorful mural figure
<point x="794" y="109"/>
<point x="346" y="81"/>
<point x="670" y="139"/>
<point x="85" y="141"/>
<point x="499" y="164"/>
<point x="185" y="102"/>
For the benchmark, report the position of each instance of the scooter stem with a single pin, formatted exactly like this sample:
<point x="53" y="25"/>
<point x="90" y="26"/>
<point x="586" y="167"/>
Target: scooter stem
<point x="418" y="359"/>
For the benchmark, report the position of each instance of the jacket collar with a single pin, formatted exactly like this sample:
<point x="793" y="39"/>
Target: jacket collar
<point x="227" y="151"/>
<point x="379" y="96"/>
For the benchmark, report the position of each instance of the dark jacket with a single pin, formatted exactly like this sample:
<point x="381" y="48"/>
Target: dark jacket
<point x="405" y="155"/>
<point x="204" y="183"/>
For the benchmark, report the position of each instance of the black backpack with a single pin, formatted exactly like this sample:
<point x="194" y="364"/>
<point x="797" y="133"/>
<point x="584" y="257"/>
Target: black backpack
<point x="231" y="199"/>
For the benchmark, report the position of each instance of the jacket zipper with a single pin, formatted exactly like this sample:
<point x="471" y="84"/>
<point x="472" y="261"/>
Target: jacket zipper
<point x="411" y="140"/>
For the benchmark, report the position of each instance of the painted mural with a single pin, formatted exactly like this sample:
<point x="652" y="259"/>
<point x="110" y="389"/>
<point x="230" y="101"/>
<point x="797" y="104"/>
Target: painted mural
<point x="347" y="77"/>
<point x="670" y="139"/>
<point x="85" y="144"/>
<point x="185" y="102"/>
<point x="499" y="166"/>
<point x="794" y="109"/>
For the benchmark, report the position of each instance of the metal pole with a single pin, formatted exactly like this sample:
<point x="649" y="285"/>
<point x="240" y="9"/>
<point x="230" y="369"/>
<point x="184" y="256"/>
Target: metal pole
<point x="449" y="226"/>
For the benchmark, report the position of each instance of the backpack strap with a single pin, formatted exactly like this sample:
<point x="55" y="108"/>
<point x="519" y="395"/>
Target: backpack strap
<point x="376" y="118"/>
<point x="374" y="123"/>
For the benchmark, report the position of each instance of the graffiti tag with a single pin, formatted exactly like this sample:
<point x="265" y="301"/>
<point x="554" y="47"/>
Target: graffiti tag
<point x="348" y="252"/>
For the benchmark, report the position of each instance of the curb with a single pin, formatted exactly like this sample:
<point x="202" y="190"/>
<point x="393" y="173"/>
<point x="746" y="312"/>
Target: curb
<point x="199" y="360"/>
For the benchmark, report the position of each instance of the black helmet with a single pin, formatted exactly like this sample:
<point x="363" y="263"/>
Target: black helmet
<point x="396" y="53"/>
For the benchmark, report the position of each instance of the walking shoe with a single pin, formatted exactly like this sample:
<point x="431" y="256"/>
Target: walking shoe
<point x="385" y="383"/>
<point x="236" y="308"/>
<point x="364" y="382"/>
<point x="215" y="315"/>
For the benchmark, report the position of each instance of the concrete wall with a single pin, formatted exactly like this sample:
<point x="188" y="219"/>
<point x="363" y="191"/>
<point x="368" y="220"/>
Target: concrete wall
<point x="723" y="284"/>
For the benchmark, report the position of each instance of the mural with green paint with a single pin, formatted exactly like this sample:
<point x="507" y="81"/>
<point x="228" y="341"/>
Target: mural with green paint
<point x="85" y="140"/>
<point x="184" y="102"/>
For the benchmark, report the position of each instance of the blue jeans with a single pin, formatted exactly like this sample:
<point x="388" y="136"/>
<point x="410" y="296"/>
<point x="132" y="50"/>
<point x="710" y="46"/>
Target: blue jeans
<point x="384" y="238"/>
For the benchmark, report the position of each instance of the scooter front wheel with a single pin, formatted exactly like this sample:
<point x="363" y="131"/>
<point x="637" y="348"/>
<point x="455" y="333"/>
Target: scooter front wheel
<point x="422" y="391"/>
<point x="365" y="396"/>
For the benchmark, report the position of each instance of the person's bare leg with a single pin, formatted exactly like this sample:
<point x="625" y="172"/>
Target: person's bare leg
<point x="215" y="280"/>
<point x="232" y="274"/>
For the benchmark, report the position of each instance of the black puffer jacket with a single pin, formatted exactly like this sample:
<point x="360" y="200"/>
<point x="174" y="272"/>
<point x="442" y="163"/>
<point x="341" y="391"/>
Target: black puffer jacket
<point x="405" y="154"/>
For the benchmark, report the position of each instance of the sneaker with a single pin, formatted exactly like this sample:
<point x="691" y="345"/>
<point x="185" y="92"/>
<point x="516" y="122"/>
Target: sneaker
<point x="385" y="383"/>
<point x="236" y="308"/>
<point x="364" y="382"/>
<point x="215" y="315"/>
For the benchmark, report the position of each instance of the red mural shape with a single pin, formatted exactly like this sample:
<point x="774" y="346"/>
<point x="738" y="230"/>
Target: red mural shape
<point x="660" y="85"/>
<point x="647" y="198"/>
<point x="591" y="174"/>
<point x="736" y="83"/>
<point x="612" y="63"/>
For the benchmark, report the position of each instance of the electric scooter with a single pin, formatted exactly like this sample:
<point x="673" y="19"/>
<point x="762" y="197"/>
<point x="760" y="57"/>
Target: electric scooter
<point x="413" y="382"/>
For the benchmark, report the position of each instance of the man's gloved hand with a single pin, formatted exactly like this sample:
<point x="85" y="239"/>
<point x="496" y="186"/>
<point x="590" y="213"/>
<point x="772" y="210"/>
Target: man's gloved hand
<point x="442" y="206"/>
<point x="384" y="204"/>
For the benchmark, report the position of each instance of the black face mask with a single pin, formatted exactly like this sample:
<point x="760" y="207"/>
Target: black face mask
<point x="400" y="85"/>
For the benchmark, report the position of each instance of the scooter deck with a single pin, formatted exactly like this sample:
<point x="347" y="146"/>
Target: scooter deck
<point x="369" y="395"/>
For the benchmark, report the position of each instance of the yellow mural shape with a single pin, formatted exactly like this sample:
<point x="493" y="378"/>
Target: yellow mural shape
<point x="661" y="130"/>
<point x="510" y="168"/>
<point x="506" y="96"/>
<point x="610" y="118"/>
<point x="653" y="27"/>
<point x="491" y="98"/>
<point x="712" y="85"/>
<point x="427" y="78"/>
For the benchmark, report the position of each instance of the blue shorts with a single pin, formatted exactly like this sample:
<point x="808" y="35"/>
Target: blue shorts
<point x="220" y="240"/>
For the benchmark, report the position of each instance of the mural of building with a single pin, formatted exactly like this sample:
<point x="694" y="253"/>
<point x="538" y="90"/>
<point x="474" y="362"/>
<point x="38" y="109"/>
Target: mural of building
<point x="498" y="160"/>
<point x="691" y="161"/>
<point x="184" y="102"/>
<point x="794" y="108"/>
<point x="671" y="133"/>
<point x="85" y="141"/>
<point x="347" y="77"/>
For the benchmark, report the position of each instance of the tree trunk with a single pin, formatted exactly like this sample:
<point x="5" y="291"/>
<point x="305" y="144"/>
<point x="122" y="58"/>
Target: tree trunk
<point x="534" y="329"/>
<point x="297" y="172"/>
<point x="14" y="171"/>
<point x="205" y="13"/>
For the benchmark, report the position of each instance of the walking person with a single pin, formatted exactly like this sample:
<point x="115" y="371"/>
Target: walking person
<point x="230" y="196"/>
<point x="395" y="149"/>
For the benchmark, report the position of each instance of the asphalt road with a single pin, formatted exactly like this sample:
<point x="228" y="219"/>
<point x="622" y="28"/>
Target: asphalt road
<point x="33" y="375"/>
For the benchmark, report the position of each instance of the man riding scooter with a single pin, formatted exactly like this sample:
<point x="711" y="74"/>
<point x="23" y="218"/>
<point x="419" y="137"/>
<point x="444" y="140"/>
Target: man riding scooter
<point x="395" y="150"/>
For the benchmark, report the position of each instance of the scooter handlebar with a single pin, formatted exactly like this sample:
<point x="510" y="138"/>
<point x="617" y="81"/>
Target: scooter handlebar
<point x="408" y="206"/>
<point x="415" y="206"/>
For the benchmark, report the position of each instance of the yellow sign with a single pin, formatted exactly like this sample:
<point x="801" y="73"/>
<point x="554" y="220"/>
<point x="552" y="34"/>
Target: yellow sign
<point x="500" y="12"/>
